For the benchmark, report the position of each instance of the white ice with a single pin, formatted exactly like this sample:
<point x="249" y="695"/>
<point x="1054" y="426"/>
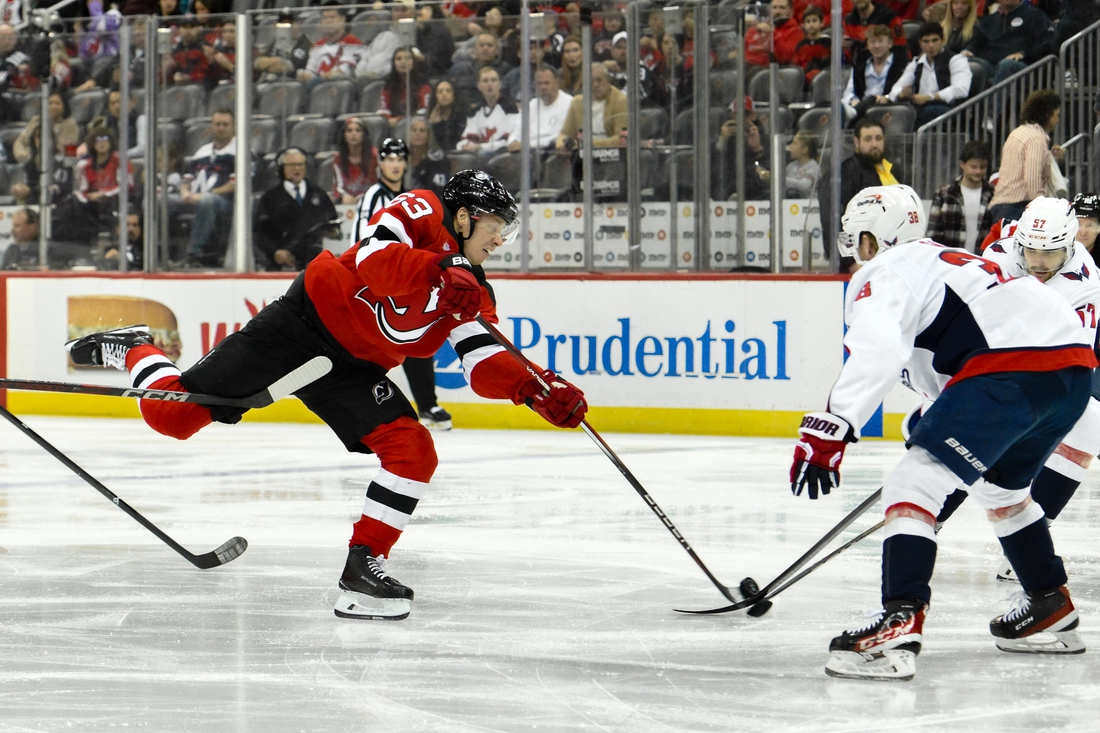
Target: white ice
<point x="545" y="590"/>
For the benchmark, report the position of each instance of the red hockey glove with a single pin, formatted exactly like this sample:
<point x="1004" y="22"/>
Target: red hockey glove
<point x="818" y="454"/>
<point x="459" y="290"/>
<point x="564" y="406"/>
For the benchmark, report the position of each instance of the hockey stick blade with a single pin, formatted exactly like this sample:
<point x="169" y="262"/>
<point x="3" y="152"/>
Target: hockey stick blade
<point x="309" y="372"/>
<point x="798" y="564"/>
<point x="635" y="484"/>
<point x="227" y="552"/>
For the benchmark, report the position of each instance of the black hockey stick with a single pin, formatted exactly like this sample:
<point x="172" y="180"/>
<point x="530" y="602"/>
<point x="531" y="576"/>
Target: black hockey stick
<point x="311" y="371"/>
<point x="227" y="552"/>
<point x="770" y="588"/>
<point x="855" y="540"/>
<point x="510" y="347"/>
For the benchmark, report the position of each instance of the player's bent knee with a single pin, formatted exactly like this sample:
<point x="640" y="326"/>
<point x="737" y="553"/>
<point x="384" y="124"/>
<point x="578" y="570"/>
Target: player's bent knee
<point x="405" y="449"/>
<point x="919" y="481"/>
<point x="1014" y="517"/>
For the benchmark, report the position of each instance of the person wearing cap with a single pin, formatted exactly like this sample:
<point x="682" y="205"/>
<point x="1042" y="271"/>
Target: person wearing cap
<point x="287" y="56"/>
<point x="291" y="217"/>
<point x="616" y="69"/>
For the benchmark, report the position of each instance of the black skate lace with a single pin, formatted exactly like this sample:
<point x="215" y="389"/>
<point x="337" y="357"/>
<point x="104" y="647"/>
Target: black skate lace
<point x="1021" y="604"/>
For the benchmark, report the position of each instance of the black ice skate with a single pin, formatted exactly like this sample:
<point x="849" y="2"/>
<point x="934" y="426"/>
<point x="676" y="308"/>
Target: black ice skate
<point x="436" y="418"/>
<point x="1043" y="622"/>
<point x="368" y="592"/>
<point x="885" y="649"/>
<point x="108" y="349"/>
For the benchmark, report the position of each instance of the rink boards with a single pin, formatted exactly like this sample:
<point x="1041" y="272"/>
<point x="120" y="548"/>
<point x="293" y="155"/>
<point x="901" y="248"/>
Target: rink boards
<point x="704" y="354"/>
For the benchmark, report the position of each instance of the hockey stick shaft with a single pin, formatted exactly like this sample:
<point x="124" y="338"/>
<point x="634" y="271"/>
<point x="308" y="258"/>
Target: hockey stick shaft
<point x="618" y="463"/>
<point x="855" y="540"/>
<point x="310" y="371"/>
<point x="227" y="552"/>
<point x="801" y="561"/>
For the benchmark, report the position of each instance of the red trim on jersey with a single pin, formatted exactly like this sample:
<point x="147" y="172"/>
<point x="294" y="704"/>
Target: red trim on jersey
<point x="906" y="509"/>
<point x="1025" y="361"/>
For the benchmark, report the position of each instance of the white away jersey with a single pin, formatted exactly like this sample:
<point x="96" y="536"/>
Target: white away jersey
<point x="933" y="315"/>
<point x="1078" y="281"/>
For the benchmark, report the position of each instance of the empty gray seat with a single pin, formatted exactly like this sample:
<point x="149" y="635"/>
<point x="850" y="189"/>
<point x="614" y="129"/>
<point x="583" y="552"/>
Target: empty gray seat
<point x="196" y="133"/>
<point x="281" y="98"/>
<point x="332" y="97"/>
<point x="312" y="135"/>
<point x="87" y="105"/>
<point x="223" y="96"/>
<point x="182" y="102"/>
<point x="370" y="99"/>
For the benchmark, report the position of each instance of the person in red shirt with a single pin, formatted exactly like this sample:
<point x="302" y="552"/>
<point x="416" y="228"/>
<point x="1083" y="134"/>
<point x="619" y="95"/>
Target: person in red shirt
<point x="95" y="180"/>
<point x="814" y="50"/>
<point x="866" y="14"/>
<point x="412" y="282"/>
<point x="786" y="37"/>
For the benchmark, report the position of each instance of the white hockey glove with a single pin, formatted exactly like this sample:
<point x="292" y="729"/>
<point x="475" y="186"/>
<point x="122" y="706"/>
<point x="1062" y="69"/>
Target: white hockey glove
<point x="818" y="453"/>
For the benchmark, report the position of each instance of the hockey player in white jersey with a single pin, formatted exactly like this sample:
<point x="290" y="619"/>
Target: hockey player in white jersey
<point x="1008" y="369"/>
<point x="1042" y="244"/>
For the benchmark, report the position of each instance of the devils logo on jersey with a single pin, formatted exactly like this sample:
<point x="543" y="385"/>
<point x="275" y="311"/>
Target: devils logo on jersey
<point x="403" y="320"/>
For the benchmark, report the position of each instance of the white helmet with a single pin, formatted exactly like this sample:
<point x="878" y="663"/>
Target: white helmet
<point x="892" y="214"/>
<point x="1047" y="224"/>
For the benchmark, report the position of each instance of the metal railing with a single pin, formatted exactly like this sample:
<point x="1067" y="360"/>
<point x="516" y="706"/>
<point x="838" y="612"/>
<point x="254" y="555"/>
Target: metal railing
<point x="1079" y="86"/>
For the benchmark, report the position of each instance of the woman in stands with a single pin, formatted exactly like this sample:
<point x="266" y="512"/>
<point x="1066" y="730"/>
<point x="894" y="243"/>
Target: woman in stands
<point x="405" y="74"/>
<point x="95" y="181"/>
<point x="958" y="24"/>
<point x="447" y="114"/>
<point x="353" y="166"/>
<point x="430" y="166"/>
<point x="572" y="66"/>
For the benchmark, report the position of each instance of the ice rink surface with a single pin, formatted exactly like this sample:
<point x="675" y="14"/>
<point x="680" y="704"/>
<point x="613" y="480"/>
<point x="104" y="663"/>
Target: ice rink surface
<point x="545" y="592"/>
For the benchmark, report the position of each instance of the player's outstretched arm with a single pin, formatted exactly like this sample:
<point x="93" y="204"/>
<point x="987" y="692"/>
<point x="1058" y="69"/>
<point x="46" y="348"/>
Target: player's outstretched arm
<point x="818" y="453"/>
<point x="554" y="399"/>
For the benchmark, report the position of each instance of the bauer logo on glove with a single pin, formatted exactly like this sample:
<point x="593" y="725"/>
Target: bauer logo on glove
<point x="818" y="453"/>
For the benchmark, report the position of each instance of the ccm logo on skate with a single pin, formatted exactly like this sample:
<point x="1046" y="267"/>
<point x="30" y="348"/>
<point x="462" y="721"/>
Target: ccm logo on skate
<point x="894" y="631"/>
<point x="155" y="394"/>
<point x="817" y="423"/>
<point x="963" y="451"/>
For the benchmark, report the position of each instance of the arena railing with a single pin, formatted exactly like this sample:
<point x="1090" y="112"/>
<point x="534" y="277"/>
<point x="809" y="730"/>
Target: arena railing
<point x="1079" y="88"/>
<point x="990" y="115"/>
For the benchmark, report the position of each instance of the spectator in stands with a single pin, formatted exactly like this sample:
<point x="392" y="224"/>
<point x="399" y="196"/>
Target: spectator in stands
<point x="547" y="111"/>
<point x="651" y="38"/>
<point x="572" y="66"/>
<point x="189" y="64"/>
<point x="757" y="158"/>
<point x="1026" y="157"/>
<point x="494" y="122"/>
<point x="555" y="37"/>
<point x="904" y="9"/>
<point x="292" y="218"/>
<point x="135" y="129"/>
<point x="601" y="41"/>
<point x="430" y="167"/>
<point x="866" y="14"/>
<point x="289" y="53"/>
<point x="961" y="215"/>
<point x="336" y="53"/>
<point x="1076" y="16"/>
<point x="63" y="131"/>
<point x="672" y="78"/>
<point x="405" y="74"/>
<point x="874" y="73"/>
<point x="108" y="75"/>
<point x="935" y="81"/>
<point x="1087" y="208"/>
<point x="868" y="166"/>
<point x="208" y="188"/>
<point x="512" y="83"/>
<point x="447" y="114"/>
<point x="353" y="166"/>
<point x="28" y="190"/>
<point x="434" y="43"/>
<point x="813" y="51"/>
<point x="782" y="27"/>
<point x="22" y="253"/>
<point x="616" y="69"/>
<point x="376" y="59"/>
<point x="168" y="13"/>
<point x="14" y="72"/>
<point x="11" y="11"/>
<point x="95" y="180"/>
<point x="608" y="115"/>
<point x="804" y="171"/>
<point x="1011" y="38"/>
<point x="135" y="245"/>
<point x="222" y="55"/>
<point x="98" y="45"/>
<point x="959" y="24"/>
<point x="465" y="72"/>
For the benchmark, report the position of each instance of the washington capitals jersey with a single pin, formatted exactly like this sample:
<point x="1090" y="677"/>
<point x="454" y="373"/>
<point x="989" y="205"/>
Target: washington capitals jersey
<point x="1077" y="282"/>
<point x="936" y="315"/>
<point x="379" y="298"/>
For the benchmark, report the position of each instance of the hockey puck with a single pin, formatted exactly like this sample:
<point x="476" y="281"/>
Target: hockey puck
<point x="749" y="588"/>
<point x="760" y="609"/>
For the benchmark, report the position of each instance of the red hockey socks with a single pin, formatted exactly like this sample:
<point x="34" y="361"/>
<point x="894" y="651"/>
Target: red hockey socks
<point x="151" y="369"/>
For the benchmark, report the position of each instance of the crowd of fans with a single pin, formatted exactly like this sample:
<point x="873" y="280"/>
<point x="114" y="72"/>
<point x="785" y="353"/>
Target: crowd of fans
<point x="447" y="80"/>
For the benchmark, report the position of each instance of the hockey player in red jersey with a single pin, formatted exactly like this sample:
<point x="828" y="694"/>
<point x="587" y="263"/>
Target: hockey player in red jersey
<point x="1008" y="368"/>
<point x="412" y="282"/>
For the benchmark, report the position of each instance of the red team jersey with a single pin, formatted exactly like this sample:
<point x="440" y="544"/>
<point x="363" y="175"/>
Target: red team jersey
<point x="378" y="299"/>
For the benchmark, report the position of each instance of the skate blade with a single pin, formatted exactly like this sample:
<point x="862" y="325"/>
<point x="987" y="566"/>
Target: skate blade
<point x="368" y="608"/>
<point x="890" y="665"/>
<point x="436" y="425"/>
<point x="1044" y="642"/>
